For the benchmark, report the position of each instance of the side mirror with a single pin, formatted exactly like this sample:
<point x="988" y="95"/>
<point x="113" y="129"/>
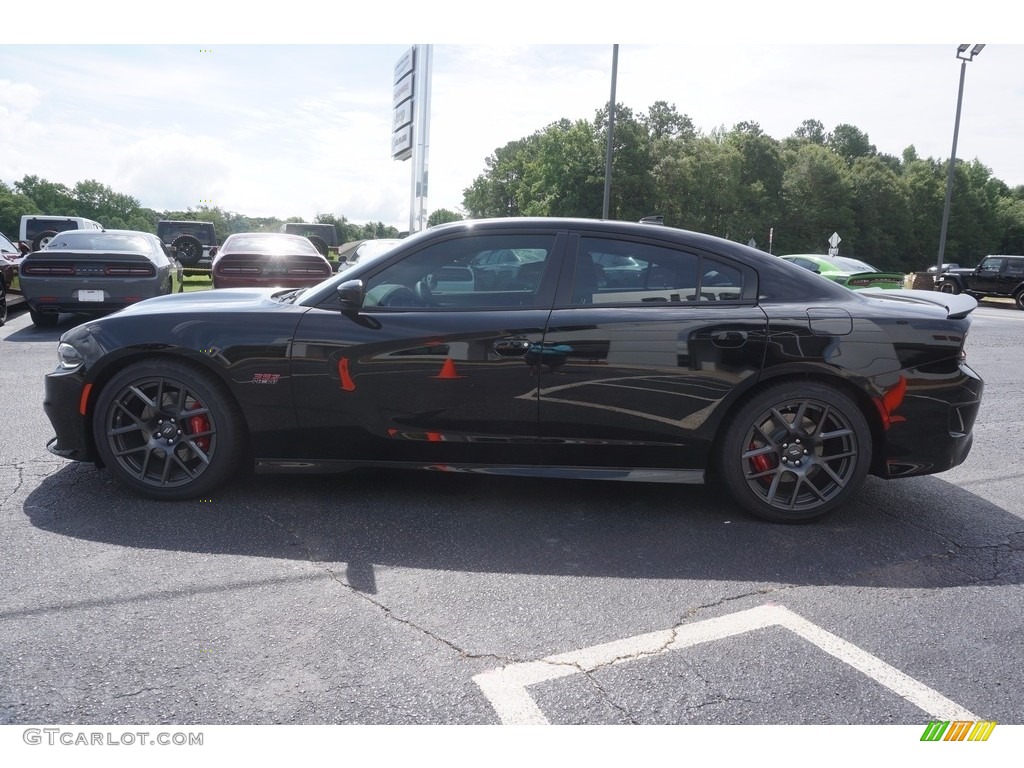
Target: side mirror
<point x="213" y="252"/>
<point x="351" y="293"/>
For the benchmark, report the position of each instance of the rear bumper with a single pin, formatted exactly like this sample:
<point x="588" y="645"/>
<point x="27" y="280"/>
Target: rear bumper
<point x="933" y="428"/>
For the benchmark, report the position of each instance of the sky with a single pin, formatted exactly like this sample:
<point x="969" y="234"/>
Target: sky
<point x="292" y="115"/>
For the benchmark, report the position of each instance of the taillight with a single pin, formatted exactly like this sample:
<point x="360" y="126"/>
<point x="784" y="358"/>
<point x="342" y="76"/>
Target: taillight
<point x="39" y="269"/>
<point x="239" y="270"/>
<point x="128" y="271"/>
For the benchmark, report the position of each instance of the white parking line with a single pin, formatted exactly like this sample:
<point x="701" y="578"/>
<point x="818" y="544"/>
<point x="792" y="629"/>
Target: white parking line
<point x="506" y="688"/>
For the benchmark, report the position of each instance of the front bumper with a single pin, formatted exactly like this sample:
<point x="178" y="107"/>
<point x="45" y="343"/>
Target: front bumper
<point x="62" y="400"/>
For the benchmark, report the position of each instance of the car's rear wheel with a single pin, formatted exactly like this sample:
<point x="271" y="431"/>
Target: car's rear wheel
<point x="189" y="249"/>
<point x="42" y="239"/>
<point x="948" y="287"/>
<point x="319" y="243"/>
<point x="43" y="319"/>
<point x="1019" y="299"/>
<point x="168" y="430"/>
<point x="795" y="452"/>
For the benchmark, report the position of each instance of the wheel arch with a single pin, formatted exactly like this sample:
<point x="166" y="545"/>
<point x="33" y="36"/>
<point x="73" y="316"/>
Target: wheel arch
<point x="861" y="399"/>
<point x="99" y="378"/>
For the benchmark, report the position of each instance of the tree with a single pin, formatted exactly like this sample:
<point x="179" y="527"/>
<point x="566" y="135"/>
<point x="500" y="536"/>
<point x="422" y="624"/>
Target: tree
<point x="850" y="143"/>
<point x="881" y="219"/>
<point x="662" y="121"/>
<point x="14" y="205"/>
<point x="443" y="216"/>
<point x="51" y="199"/>
<point x="500" y="189"/>
<point x="816" y="197"/>
<point x="812" y="131"/>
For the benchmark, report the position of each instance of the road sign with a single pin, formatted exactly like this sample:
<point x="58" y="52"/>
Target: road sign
<point x="835" y="240"/>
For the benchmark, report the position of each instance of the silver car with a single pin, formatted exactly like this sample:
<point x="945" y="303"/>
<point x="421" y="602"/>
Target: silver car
<point x="96" y="272"/>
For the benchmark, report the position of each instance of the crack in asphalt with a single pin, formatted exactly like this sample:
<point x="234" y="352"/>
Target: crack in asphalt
<point x="384" y="609"/>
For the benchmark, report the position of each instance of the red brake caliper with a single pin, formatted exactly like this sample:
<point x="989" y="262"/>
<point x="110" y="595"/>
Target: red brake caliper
<point x="197" y="424"/>
<point x="761" y="462"/>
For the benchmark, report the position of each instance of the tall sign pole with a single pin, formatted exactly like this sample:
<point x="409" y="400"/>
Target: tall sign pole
<point x="410" y="129"/>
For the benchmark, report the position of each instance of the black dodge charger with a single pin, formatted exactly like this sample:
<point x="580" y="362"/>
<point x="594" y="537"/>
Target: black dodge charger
<point x="711" y="361"/>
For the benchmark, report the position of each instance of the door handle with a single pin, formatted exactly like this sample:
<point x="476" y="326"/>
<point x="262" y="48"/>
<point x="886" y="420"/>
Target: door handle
<point x="511" y="347"/>
<point x="729" y="339"/>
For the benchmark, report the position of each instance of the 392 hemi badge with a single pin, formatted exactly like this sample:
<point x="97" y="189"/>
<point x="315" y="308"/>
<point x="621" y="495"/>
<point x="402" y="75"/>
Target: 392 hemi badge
<point x="265" y="378"/>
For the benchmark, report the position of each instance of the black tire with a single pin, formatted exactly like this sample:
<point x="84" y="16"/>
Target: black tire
<point x="319" y="243"/>
<point x="43" y="319"/>
<point x="778" y="465"/>
<point x="3" y="302"/>
<point x="42" y="239"/>
<point x="190" y="250"/>
<point x="948" y="287"/>
<point x="168" y="430"/>
<point x="1019" y="299"/>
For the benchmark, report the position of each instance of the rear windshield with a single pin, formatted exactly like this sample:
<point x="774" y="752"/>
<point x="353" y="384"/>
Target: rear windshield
<point x="91" y="240"/>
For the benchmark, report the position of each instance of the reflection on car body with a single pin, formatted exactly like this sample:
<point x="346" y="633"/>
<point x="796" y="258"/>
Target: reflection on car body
<point x="711" y="361"/>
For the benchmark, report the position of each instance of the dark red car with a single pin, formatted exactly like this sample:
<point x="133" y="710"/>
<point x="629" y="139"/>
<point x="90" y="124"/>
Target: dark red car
<point x="10" y="289"/>
<point x="265" y="259"/>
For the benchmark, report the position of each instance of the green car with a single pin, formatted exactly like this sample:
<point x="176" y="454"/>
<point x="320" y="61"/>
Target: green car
<point x="852" y="273"/>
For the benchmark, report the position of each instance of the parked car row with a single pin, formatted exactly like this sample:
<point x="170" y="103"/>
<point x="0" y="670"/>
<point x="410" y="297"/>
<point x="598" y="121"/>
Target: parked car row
<point x="91" y="270"/>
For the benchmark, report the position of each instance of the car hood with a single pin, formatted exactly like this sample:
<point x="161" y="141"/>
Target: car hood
<point x="232" y="300"/>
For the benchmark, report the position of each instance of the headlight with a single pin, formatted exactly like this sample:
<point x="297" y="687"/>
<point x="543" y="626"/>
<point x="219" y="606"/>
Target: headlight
<point x="68" y="357"/>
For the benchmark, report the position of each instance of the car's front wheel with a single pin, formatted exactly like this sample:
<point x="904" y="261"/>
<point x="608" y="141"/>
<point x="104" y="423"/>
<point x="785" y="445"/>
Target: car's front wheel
<point x="168" y="430"/>
<point x="3" y="302"/>
<point x="948" y="287"/>
<point x="795" y="452"/>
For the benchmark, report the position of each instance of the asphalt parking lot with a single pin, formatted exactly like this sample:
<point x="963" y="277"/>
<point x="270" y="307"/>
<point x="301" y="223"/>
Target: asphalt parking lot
<point x="399" y="597"/>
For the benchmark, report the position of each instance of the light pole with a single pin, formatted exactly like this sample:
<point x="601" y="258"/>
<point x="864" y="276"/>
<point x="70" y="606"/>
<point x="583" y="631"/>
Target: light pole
<point x="611" y="132"/>
<point x="965" y="52"/>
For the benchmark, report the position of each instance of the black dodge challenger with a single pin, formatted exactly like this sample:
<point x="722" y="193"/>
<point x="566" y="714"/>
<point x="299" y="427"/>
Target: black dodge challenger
<point x="702" y="359"/>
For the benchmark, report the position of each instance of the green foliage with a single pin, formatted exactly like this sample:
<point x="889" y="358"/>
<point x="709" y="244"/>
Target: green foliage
<point x="443" y="216"/>
<point x="93" y="200"/>
<point x="741" y="183"/>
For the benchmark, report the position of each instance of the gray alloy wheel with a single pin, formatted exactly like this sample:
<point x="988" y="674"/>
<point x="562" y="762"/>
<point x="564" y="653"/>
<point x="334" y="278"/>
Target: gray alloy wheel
<point x="948" y="287"/>
<point x="168" y="430"/>
<point x="795" y="451"/>
<point x="43" y="239"/>
<point x="189" y="249"/>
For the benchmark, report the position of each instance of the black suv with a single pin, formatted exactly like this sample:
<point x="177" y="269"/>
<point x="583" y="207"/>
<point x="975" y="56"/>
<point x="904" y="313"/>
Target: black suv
<point x="195" y="241"/>
<point x="324" y="237"/>
<point x="1001" y="276"/>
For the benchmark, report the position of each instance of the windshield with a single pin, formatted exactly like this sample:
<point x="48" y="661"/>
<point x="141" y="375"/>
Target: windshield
<point x="91" y="240"/>
<point x="268" y="243"/>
